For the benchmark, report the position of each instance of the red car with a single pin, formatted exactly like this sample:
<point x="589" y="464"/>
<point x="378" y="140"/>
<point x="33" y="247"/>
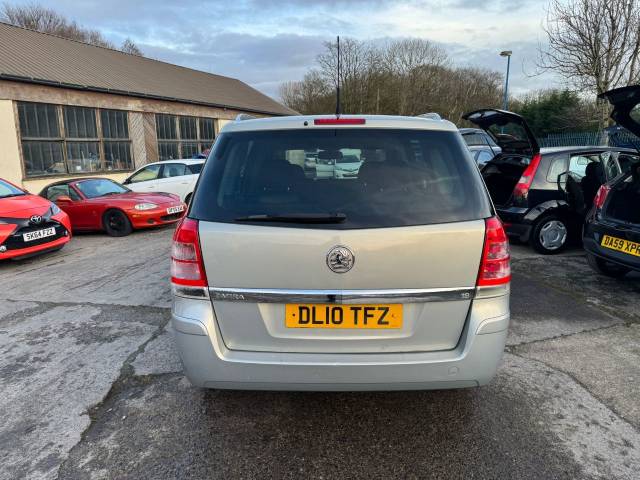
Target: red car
<point x="29" y="224"/>
<point x="102" y="204"/>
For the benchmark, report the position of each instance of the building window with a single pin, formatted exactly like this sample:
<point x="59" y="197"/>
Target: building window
<point x="117" y="146"/>
<point x="87" y="140"/>
<point x="81" y="135"/>
<point x="182" y="136"/>
<point x="41" y="139"/>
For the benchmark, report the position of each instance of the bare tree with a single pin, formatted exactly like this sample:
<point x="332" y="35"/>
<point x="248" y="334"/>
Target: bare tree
<point x="405" y="77"/>
<point x="594" y="44"/>
<point x="129" y="47"/>
<point x="312" y="95"/>
<point x="414" y="63"/>
<point x="46" y="20"/>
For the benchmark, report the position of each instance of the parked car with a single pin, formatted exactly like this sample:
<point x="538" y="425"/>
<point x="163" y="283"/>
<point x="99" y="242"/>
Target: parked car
<point x="395" y="279"/>
<point x="348" y="166"/>
<point x="611" y="234"/>
<point x="172" y="176"/>
<point x="481" y="145"/>
<point x="29" y="224"/>
<point x="102" y="204"/>
<point x="543" y="195"/>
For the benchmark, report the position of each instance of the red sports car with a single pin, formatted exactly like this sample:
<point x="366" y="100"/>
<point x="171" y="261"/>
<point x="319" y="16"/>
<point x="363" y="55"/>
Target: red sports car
<point x="29" y="224"/>
<point x="102" y="204"/>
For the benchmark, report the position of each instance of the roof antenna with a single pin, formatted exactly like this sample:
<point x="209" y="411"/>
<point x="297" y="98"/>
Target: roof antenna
<point x="338" y="83"/>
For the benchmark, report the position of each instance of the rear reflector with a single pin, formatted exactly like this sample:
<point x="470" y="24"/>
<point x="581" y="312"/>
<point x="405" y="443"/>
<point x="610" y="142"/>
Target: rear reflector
<point x="495" y="268"/>
<point x="521" y="190"/>
<point x="601" y="196"/>
<point x="339" y="121"/>
<point x="187" y="267"/>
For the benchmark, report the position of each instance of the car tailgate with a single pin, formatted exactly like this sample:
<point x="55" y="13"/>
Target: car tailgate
<point x="253" y="271"/>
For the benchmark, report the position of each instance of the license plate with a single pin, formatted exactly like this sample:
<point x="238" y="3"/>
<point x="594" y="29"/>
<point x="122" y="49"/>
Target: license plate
<point x="177" y="209"/>
<point x="621" y="245"/>
<point x="38" y="234"/>
<point x="343" y="316"/>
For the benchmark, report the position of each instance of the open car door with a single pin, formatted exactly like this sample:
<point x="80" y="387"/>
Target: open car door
<point x="509" y="130"/>
<point x="626" y="107"/>
<point x="519" y="146"/>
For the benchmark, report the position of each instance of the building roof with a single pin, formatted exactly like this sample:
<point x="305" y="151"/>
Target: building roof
<point x="34" y="57"/>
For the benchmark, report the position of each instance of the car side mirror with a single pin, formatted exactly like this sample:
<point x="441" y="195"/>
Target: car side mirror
<point x="63" y="199"/>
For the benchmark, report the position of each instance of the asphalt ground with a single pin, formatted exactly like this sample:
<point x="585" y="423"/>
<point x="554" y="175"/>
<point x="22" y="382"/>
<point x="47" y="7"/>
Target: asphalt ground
<point x="92" y="386"/>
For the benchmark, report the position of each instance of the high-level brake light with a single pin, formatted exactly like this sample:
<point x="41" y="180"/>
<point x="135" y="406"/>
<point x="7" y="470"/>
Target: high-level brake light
<point x="339" y="121"/>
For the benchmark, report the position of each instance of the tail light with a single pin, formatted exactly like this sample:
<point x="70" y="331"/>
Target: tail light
<point x="495" y="268"/>
<point x="187" y="267"/>
<point x="601" y="196"/>
<point x="521" y="190"/>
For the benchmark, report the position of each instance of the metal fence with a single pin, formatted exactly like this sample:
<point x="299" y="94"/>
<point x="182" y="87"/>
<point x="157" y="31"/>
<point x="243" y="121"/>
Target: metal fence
<point x="606" y="137"/>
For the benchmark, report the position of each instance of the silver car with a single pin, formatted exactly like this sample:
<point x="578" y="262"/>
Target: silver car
<point x="396" y="279"/>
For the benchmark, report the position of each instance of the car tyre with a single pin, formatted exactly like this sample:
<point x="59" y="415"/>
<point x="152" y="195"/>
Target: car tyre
<point x="116" y="223"/>
<point x="606" y="268"/>
<point x="549" y="234"/>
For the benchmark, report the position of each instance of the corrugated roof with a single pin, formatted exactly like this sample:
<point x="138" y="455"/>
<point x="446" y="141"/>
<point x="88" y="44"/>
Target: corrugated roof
<point x="36" y="57"/>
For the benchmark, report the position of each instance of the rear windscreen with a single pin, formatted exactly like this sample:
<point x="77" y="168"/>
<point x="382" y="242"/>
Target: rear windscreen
<point x="370" y="178"/>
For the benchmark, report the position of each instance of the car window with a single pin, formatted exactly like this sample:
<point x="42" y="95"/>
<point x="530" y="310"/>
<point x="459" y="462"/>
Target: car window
<point x="483" y="156"/>
<point x="611" y="168"/>
<point x="406" y="177"/>
<point x="194" y="168"/>
<point x="578" y="163"/>
<point x="557" y="167"/>
<point x="173" y="170"/>
<point x="627" y="161"/>
<point x="474" y="139"/>
<point x="146" y="174"/>
<point x="8" y="190"/>
<point x="55" y="191"/>
<point x="100" y="187"/>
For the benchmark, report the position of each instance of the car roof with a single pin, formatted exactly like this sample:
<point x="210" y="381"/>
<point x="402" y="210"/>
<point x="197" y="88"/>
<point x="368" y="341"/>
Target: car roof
<point x="307" y="122"/>
<point x="187" y="161"/>
<point x="466" y="130"/>
<point x="585" y="148"/>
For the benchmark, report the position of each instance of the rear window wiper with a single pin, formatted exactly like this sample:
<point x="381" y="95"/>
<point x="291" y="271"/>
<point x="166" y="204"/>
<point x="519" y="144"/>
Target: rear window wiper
<point x="296" y="218"/>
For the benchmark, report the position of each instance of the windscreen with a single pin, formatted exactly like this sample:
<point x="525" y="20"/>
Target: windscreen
<point x="99" y="188"/>
<point x="8" y="190"/>
<point x="356" y="178"/>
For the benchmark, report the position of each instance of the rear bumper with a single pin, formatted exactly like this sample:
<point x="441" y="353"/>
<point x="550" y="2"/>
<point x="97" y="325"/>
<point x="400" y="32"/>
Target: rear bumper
<point x="592" y="237"/>
<point x="208" y="363"/>
<point x="515" y="222"/>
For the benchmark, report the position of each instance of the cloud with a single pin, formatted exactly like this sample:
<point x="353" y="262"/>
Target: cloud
<point x="267" y="42"/>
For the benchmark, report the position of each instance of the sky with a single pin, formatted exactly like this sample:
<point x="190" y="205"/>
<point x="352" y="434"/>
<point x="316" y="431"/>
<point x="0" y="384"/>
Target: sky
<point x="267" y="42"/>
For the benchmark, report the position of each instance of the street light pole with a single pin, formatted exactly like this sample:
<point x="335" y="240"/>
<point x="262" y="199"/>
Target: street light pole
<point x="505" y="102"/>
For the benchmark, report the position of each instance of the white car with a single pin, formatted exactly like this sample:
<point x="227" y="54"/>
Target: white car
<point x="347" y="167"/>
<point x="173" y="176"/>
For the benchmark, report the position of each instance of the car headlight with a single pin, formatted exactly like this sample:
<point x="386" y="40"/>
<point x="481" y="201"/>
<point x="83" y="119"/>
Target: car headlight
<point x="55" y="210"/>
<point x="145" y="206"/>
